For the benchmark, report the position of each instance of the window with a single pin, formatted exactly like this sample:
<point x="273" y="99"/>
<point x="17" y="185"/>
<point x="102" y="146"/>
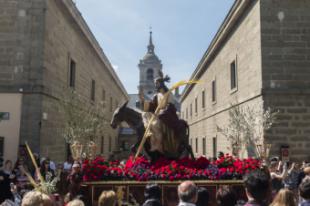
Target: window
<point x="196" y="105"/>
<point x="196" y="145"/>
<point x="1" y="146"/>
<point x="214" y="143"/>
<point x="213" y="91"/>
<point x="150" y="74"/>
<point x="103" y="95"/>
<point x="191" y="110"/>
<point x="125" y="146"/>
<point x="102" y="145"/>
<point x="110" y="144"/>
<point x="72" y="71"/>
<point x="1" y="151"/>
<point x="4" y="116"/>
<point x="111" y="104"/>
<point x="186" y="113"/>
<point x="68" y="150"/>
<point x="233" y="75"/>
<point x="92" y="94"/>
<point x="204" y="146"/>
<point x="203" y="102"/>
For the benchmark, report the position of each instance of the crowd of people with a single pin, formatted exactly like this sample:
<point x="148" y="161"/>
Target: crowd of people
<point x="276" y="184"/>
<point x="16" y="187"/>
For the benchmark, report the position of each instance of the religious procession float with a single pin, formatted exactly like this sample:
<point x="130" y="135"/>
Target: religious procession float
<point x="161" y="155"/>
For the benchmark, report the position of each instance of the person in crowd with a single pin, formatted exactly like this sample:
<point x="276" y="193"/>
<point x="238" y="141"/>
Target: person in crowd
<point x="258" y="188"/>
<point x="37" y="158"/>
<point x="76" y="202"/>
<point x="225" y="196"/>
<point x="187" y="192"/>
<point x="35" y="198"/>
<point x="107" y="198"/>
<point x="152" y="195"/>
<point x="284" y="197"/>
<point x="302" y="173"/>
<point x="304" y="192"/>
<point x="220" y="154"/>
<point x="203" y="197"/>
<point x="19" y="162"/>
<point x="74" y="179"/>
<point x="47" y="173"/>
<point x="291" y="181"/>
<point x="22" y="179"/>
<point x="68" y="164"/>
<point x="62" y="184"/>
<point x="306" y="170"/>
<point x="277" y="177"/>
<point x="52" y="164"/>
<point x="7" y="176"/>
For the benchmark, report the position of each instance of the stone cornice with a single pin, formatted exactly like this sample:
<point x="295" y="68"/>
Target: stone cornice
<point x="237" y="9"/>
<point x="79" y="20"/>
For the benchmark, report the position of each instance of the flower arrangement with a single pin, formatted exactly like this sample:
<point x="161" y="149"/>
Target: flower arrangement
<point x="227" y="167"/>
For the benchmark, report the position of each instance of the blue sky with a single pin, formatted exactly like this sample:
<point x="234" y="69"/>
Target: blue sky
<point x="182" y="32"/>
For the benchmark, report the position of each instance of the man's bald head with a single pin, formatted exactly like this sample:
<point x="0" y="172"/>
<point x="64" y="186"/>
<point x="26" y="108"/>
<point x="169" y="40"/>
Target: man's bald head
<point x="187" y="192"/>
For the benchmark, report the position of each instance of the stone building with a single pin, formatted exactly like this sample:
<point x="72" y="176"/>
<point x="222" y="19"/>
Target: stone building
<point x="149" y="68"/>
<point x="260" y="57"/>
<point x="46" y="46"/>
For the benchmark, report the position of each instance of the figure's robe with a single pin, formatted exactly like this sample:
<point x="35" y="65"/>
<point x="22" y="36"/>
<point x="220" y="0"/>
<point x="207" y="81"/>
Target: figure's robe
<point x="163" y="129"/>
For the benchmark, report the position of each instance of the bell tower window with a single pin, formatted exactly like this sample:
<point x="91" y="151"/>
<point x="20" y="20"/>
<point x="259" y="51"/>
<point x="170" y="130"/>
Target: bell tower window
<point x="150" y="74"/>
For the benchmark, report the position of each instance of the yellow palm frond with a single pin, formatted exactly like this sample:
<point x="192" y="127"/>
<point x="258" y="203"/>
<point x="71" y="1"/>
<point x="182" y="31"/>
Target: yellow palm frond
<point x="182" y="83"/>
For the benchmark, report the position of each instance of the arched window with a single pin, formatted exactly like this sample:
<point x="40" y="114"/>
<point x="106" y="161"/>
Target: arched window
<point x="150" y="74"/>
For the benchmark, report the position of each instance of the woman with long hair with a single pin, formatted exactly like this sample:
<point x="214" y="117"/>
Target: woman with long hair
<point x="284" y="197"/>
<point x="46" y="172"/>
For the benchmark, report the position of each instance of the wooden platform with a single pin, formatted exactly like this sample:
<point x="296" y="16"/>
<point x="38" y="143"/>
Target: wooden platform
<point x="135" y="190"/>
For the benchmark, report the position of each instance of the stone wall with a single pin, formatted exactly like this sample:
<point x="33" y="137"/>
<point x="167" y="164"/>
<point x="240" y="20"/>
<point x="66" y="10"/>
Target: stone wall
<point x="286" y="73"/>
<point x="64" y="40"/>
<point x="38" y="39"/>
<point x="21" y="49"/>
<point x="243" y="46"/>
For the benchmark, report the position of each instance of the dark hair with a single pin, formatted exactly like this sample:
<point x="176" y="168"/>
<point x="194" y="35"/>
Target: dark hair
<point x="225" y="196"/>
<point x="304" y="188"/>
<point x="152" y="191"/>
<point x="203" y="197"/>
<point x="257" y="184"/>
<point x="274" y="159"/>
<point x="220" y="154"/>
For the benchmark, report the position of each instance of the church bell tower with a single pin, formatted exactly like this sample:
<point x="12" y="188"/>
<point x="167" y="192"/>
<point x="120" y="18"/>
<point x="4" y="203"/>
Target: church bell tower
<point x="149" y="67"/>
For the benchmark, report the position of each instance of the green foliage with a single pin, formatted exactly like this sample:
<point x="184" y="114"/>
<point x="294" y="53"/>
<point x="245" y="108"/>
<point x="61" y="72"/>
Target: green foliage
<point x="83" y="120"/>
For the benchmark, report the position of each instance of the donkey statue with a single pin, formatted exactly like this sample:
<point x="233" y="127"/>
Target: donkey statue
<point x="134" y="119"/>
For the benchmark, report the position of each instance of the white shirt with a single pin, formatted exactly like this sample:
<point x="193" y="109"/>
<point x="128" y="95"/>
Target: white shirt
<point x="186" y="204"/>
<point x="52" y="166"/>
<point x="67" y="166"/>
